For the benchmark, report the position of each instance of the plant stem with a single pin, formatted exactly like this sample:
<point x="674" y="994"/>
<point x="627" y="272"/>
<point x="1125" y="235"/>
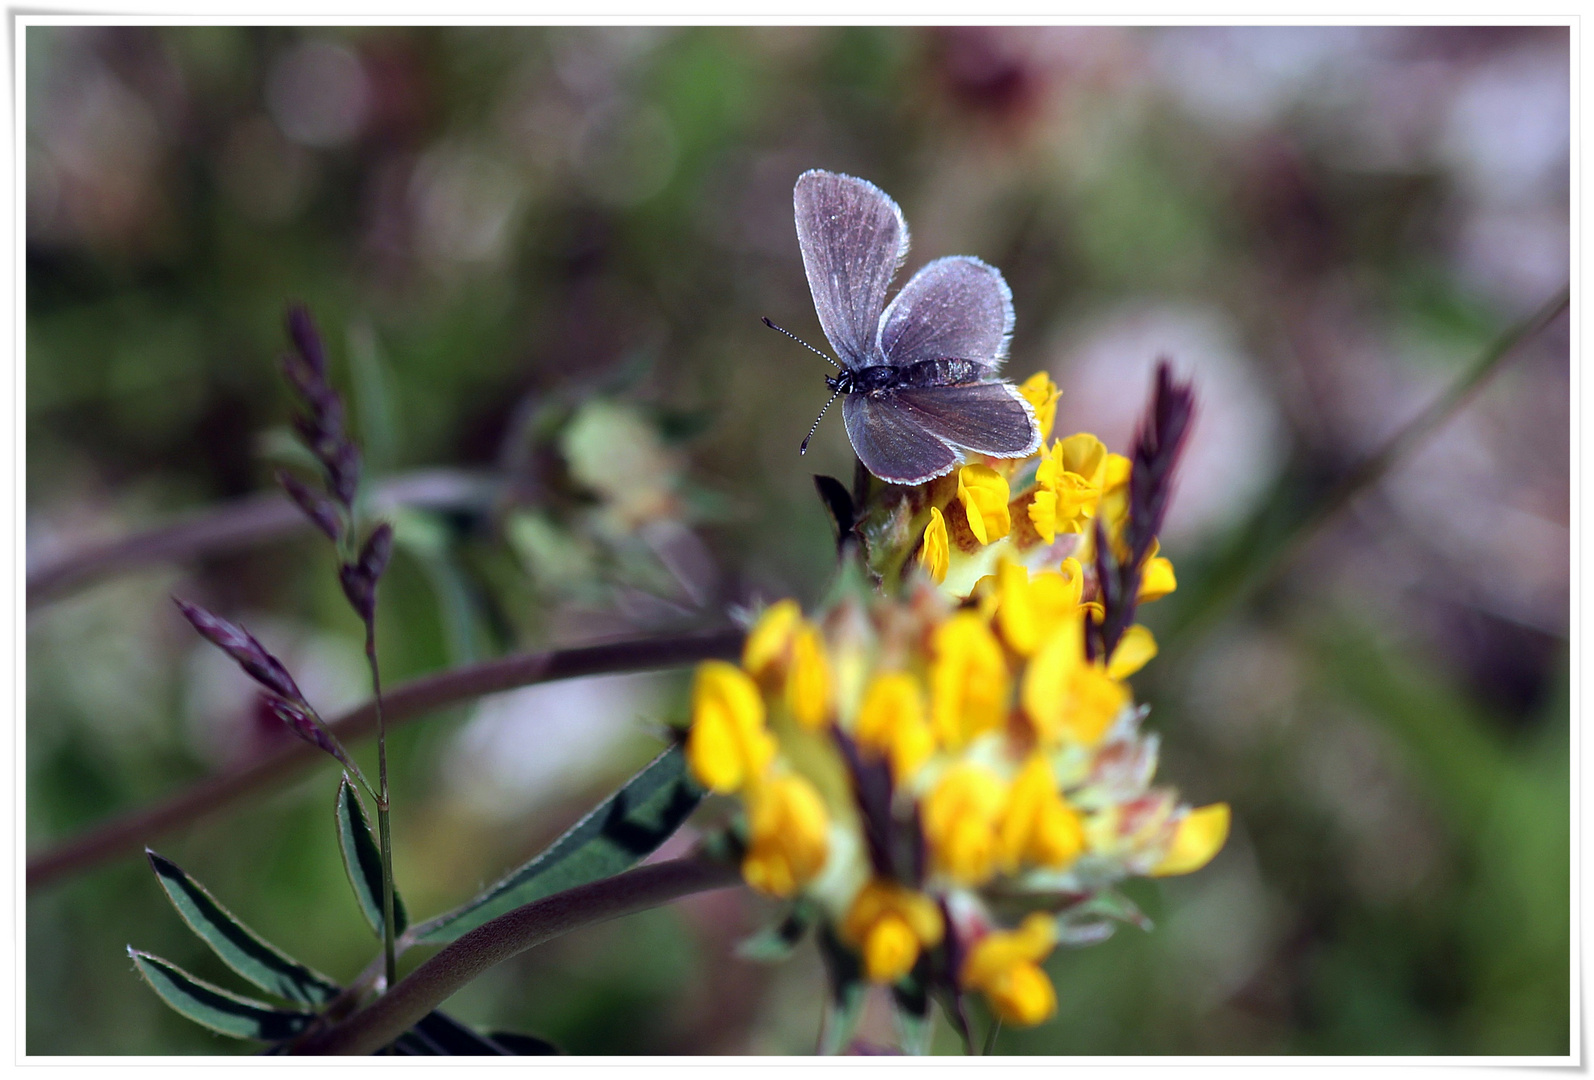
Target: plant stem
<point x="429" y="985"/>
<point x="991" y="1033"/>
<point x="129" y="833"/>
<point x="238" y="526"/>
<point x="384" y="826"/>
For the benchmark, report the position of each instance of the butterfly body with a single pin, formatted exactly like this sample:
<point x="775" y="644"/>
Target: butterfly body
<point x="921" y="375"/>
<point x="879" y="377"/>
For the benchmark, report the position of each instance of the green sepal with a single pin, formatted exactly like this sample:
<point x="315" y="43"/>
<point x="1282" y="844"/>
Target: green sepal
<point x="848" y="991"/>
<point x="625" y="828"/>
<point x="219" y="1010"/>
<point x="910" y="996"/>
<point x="1095" y="919"/>
<point x="363" y="861"/>
<point x="777" y="941"/>
<point x="239" y="947"/>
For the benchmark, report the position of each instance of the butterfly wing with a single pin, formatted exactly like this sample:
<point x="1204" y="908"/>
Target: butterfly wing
<point x="989" y="418"/>
<point x="954" y="307"/>
<point x="891" y="444"/>
<point x="853" y="238"/>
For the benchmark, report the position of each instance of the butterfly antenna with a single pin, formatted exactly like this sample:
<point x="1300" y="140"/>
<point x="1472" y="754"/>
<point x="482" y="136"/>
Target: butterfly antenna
<point x="803" y="449"/>
<point x="803" y="343"/>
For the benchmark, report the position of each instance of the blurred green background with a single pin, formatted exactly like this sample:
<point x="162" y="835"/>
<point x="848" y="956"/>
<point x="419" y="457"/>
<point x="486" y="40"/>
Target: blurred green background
<point x="541" y="256"/>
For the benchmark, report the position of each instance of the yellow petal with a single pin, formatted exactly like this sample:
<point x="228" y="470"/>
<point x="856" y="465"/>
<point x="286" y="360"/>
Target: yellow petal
<point x="728" y="744"/>
<point x="890" y="949"/>
<point x="960" y="818"/>
<point x="1135" y="648"/>
<point x="984" y="494"/>
<point x="770" y="638"/>
<point x="789" y="836"/>
<point x="893" y="723"/>
<point x="1085" y="456"/>
<point x="1049" y="676"/>
<point x="969" y="681"/>
<point x="1042" y="394"/>
<point x="1023" y="996"/>
<point x="1156" y="580"/>
<point x="1200" y="836"/>
<point x="808" y="686"/>
<point x="934" y="550"/>
<point x="1002" y="950"/>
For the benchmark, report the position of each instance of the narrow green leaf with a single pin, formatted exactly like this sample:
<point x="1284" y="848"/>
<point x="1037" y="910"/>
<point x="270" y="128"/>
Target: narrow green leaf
<point x="439" y="1035"/>
<point x="776" y="942"/>
<point x="215" y="1008"/>
<point x="848" y="991"/>
<point x="239" y="947"/>
<point x="363" y="860"/>
<point x="625" y="828"/>
<point x="524" y="1045"/>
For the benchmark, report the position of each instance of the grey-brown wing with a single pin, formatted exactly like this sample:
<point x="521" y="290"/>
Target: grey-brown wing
<point x="853" y="238"/>
<point x="891" y="444"/>
<point x="953" y="307"/>
<point x="988" y="418"/>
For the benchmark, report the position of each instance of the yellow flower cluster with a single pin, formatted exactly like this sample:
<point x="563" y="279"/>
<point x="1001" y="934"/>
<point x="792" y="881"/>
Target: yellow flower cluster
<point x="992" y="734"/>
<point x="1064" y="488"/>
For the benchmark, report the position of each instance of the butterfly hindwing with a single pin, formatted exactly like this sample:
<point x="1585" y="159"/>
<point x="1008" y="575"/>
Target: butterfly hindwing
<point x="989" y="418"/>
<point x="891" y="444"/>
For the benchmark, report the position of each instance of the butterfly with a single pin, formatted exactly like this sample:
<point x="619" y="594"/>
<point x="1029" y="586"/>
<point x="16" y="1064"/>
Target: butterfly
<point x="920" y="376"/>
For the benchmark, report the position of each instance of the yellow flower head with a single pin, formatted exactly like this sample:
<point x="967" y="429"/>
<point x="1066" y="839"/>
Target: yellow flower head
<point x="1042" y="394"/>
<point x="969" y="681"/>
<point x="934" y="550"/>
<point x="893" y="723"/>
<point x="960" y="820"/>
<point x="790" y="836"/>
<point x="1005" y="965"/>
<point x="890" y="925"/>
<point x="728" y="746"/>
<point x="984" y="494"/>
<point x="1067" y="697"/>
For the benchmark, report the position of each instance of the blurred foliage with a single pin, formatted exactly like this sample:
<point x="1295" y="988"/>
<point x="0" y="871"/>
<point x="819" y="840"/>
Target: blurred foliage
<point x="545" y="252"/>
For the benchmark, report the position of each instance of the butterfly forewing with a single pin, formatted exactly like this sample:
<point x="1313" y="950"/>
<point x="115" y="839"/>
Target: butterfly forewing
<point x="954" y="307"/>
<point x="853" y="238"/>
<point x="891" y="444"/>
<point x="988" y="418"/>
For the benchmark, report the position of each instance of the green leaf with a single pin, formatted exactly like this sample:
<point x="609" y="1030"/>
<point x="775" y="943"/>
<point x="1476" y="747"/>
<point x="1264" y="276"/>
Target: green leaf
<point x="215" y="1008"/>
<point x="625" y="828"/>
<point x="848" y="992"/>
<point x="363" y="860"/>
<point x="774" y="943"/>
<point x="239" y="947"/>
<point x="911" y="996"/>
